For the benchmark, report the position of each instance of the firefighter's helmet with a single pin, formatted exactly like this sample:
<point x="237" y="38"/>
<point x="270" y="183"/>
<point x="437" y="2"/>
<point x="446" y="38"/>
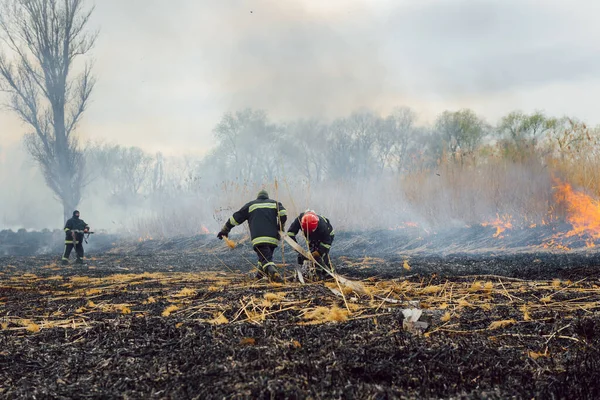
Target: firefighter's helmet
<point x="309" y="222"/>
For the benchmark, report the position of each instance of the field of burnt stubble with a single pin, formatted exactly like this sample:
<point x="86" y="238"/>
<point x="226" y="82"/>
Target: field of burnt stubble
<point x="172" y="320"/>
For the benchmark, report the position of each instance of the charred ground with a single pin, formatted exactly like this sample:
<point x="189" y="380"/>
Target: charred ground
<point x="179" y="319"/>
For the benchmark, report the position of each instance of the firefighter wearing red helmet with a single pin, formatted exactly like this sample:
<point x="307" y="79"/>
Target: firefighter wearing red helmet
<point x="319" y="235"/>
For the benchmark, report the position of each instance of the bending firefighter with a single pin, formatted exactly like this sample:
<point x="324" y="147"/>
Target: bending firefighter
<point x="266" y="217"/>
<point x="319" y="235"/>
<point x="75" y="228"/>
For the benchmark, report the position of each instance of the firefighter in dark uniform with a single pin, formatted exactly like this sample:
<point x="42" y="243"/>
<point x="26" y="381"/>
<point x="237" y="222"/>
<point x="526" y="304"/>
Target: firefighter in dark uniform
<point x="319" y="235"/>
<point x="266" y="217"/>
<point x="78" y="227"/>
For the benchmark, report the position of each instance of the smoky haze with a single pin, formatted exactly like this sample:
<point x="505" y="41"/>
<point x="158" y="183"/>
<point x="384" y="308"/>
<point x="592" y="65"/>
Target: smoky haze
<point x="167" y="74"/>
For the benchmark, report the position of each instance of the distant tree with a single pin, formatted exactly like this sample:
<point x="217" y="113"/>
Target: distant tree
<point x="572" y="139"/>
<point x="518" y="126"/>
<point x="394" y="139"/>
<point x="426" y="149"/>
<point x="248" y="144"/>
<point x="340" y="151"/>
<point x="462" y="130"/>
<point x="351" y="144"/>
<point x="124" y="170"/>
<point x="43" y="39"/>
<point x="303" y="146"/>
<point x="158" y="174"/>
<point x="521" y="133"/>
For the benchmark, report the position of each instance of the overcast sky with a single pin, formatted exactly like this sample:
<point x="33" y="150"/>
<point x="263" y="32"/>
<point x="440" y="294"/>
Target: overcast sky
<point x="167" y="70"/>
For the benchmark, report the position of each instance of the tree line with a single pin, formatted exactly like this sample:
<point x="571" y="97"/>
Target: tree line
<point x="252" y="148"/>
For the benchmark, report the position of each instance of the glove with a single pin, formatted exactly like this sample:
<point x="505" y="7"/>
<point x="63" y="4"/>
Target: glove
<point x="316" y="254"/>
<point x="221" y="234"/>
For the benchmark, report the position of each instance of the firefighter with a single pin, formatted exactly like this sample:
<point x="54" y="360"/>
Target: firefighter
<point x="266" y="217"/>
<point x="319" y="235"/>
<point x="75" y="228"/>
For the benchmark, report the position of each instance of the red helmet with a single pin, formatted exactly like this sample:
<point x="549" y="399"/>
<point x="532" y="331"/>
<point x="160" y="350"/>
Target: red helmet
<point x="309" y="222"/>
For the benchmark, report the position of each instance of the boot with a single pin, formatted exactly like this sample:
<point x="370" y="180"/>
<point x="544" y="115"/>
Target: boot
<point x="273" y="273"/>
<point x="79" y="261"/>
<point x="64" y="262"/>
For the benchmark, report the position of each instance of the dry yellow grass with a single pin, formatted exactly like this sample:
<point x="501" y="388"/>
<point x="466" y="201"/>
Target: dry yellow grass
<point x="446" y="317"/>
<point x="219" y="320"/>
<point x="170" y="309"/>
<point x="488" y="287"/>
<point x="556" y="283"/>
<point x="535" y="355"/>
<point x="326" y="314"/>
<point x="405" y="265"/>
<point x="230" y="243"/>
<point x="274" y="296"/>
<point x="502" y="324"/>
<point x="185" y="292"/>
<point x="450" y="298"/>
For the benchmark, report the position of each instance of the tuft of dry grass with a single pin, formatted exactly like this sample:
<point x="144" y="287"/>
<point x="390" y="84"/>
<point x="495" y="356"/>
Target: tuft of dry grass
<point x="185" y="292"/>
<point x="535" y="355"/>
<point x="170" y="309"/>
<point x="431" y="289"/>
<point x="230" y="243"/>
<point x="220" y="319"/>
<point x="325" y="314"/>
<point x="502" y="324"/>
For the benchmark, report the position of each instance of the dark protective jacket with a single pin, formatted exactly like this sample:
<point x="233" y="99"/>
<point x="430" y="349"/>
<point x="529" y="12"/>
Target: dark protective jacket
<point x="266" y="217"/>
<point x="75" y="224"/>
<point x="321" y="239"/>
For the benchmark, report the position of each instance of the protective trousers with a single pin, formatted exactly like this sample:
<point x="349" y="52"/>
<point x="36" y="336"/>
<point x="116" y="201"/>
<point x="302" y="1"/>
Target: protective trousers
<point x="69" y="245"/>
<point x="323" y="260"/>
<point x="265" y="257"/>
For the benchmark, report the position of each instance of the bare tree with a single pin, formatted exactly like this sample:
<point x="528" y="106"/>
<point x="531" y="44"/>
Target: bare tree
<point x="43" y="39"/>
<point x="124" y="170"/>
<point x="394" y="139"/>
<point x="303" y="145"/>
<point x="248" y="144"/>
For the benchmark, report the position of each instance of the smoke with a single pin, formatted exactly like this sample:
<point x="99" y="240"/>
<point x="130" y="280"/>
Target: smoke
<point x="286" y="60"/>
<point x="167" y="72"/>
<point x="25" y="200"/>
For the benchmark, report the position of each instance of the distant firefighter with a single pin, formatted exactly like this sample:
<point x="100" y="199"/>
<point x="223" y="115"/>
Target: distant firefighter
<point x="75" y="228"/>
<point x="266" y="217"/>
<point x="319" y="235"/>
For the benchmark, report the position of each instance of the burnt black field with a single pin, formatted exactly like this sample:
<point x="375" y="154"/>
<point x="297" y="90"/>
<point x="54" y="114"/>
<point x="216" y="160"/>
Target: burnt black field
<point x="180" y="318"/>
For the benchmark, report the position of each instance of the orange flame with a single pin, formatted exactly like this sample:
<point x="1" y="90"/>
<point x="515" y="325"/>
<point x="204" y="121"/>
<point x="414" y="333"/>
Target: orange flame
<point x="583" y="213"/>
<point x="143" y="239"/>
<point x="501" y="223"/>
<point x="551" y="244"/>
